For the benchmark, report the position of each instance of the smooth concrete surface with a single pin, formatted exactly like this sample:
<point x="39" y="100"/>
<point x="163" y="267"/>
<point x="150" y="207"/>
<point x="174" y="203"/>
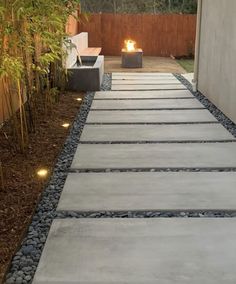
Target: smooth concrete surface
<point x="141" y="75"/>
<point x="143" y="94"/>
<point x="145" y="77"/>
<point x="145" y="82"/>
<point x="151" y="116"/>
<point x="149" y="191"/>
<point x="148" y="87"/>
<point x="217" y="60"/>
<point x="140" y="251"/>
<point x="178" y="132"/>
<point x="146" y="104"/>
<point x="175" y="155"/>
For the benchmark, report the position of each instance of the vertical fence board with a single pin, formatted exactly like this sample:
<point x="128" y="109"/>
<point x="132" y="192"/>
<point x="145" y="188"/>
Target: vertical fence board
<point x="158" y="35"/>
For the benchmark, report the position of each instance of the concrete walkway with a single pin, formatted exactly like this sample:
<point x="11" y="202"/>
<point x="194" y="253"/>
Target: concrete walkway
<point x="146" y="149"/>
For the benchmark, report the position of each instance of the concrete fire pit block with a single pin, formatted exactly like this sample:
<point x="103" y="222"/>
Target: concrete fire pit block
<point x="132" y="59"/>
<point x="88" y="77"/>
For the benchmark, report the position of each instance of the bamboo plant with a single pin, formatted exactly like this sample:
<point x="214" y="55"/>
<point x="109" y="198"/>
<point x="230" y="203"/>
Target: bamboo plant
<point x="31" y="56"/>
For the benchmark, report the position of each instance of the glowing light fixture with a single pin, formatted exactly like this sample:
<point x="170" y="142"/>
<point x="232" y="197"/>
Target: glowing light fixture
<point x="65" y="125"/>
<point x="42" y="173"/>
<point x="79" y="99"/>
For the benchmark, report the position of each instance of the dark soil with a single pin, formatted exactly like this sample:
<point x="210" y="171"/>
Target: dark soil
<point x="22" y="187"/>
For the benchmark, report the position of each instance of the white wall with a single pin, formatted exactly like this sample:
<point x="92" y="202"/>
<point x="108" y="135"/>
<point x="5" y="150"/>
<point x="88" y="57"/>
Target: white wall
<point x="217" y="61"/>
<point x="81" y="41"/>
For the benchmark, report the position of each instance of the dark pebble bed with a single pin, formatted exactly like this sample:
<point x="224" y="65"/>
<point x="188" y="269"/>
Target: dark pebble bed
<point x="25" y="261"/>
<point x="224" y="120"/>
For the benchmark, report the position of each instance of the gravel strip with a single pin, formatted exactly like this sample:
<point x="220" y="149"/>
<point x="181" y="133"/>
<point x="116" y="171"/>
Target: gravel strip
<point x="224" y="120"/>
<point x="158" y="142"/>
<point x="148" y="214"/>
<point x="150" y="123"/>
<point x="25" y="261"/>
<point x="152" y="170"/>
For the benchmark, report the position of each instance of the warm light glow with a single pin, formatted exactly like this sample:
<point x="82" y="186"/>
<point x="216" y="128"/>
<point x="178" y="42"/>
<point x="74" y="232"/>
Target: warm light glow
<point x="130" y="45"/>
<point x="65" y="125"/>
<point x="42" y="173"/>
<point x="79" y="99"/>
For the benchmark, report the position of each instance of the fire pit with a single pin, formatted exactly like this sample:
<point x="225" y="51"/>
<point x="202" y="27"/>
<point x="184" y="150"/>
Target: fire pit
<point x="132" y="57"/>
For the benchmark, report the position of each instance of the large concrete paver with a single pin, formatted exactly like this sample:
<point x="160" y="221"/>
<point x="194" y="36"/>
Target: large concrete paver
<point x="151" y="116"/>
<point x="149" y="191"/>
<point x="148" y="87"/>
<point x="146" y="82"/>
<point x="143" y="94"/>
<point x="175" y="155"/>
<point x="146" y="104"/>
<point x="178" y="132"/>
<point x="125" y="75"/>
<point x="143" y="78"/>
<point x="150" y="78"/>
<point x="143" y="251"/>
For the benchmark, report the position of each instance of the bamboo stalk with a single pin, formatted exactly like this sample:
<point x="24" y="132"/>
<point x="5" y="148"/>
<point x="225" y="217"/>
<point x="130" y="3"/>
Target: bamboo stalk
<point x="2" y="177"/>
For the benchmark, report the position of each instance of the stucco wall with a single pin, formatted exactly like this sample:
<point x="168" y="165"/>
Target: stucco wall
<point x="217" y="61"/>
<point x="81" y="41"/>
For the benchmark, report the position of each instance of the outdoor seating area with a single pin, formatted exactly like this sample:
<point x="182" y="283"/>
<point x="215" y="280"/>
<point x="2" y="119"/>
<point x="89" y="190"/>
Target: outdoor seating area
<point x="117" y="142"/>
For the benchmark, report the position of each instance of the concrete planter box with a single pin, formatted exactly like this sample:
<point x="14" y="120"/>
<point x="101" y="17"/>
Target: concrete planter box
<point x="88" y="77"/>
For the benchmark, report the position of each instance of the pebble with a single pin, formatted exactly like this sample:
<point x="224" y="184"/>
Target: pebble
<point x="10" y="280"/>
<point x="28" y="278"/>
<point x="19" y="280"/>
<point x="27" y="268"/>
<point x="26" y="250"/>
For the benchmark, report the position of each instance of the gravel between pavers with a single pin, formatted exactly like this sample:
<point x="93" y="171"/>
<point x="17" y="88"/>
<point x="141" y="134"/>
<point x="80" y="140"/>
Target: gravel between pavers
<point x="25" y="261"/>
<point x="224" y="120"/>
<point x="147" y="214"/>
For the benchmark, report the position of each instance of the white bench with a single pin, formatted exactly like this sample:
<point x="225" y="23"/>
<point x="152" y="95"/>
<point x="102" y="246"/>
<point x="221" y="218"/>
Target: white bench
<point x="81" y="43"/>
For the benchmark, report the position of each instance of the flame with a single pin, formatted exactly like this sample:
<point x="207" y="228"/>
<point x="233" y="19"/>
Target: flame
<point x="130" y="45"/>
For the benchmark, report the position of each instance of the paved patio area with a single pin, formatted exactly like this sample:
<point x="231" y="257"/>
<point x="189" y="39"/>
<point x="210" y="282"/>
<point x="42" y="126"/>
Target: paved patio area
<point x="157" y="150"/>
<point x="150" y="64"/>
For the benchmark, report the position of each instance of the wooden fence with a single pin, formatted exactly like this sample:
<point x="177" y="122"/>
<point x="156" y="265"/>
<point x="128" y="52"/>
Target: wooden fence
<point x="157" y="35"/>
